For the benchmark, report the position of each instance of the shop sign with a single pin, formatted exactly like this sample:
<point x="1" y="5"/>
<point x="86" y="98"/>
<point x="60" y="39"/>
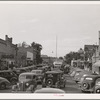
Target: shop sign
<point x="7" y="56"/>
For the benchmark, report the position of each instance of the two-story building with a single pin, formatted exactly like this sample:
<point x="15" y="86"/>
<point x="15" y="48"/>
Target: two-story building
<point x="8" y="53"/>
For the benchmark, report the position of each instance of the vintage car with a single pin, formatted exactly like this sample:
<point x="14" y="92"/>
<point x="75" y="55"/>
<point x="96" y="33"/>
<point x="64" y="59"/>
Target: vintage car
<point x="54" y="79"/>
<point x="50" y="90"/>
<point x="97" y="86"/>
<point x="10" y="76"/>
<point x="4" y="83"/>
<point x="78" y="75"/>
<point x="75" y="71"/>
<point x="66" y="69"/>
<point x="87" y="83"/>
<point x="18" y="71"/>
<point x="39" y="74"/>
<point x="27" y="83"/>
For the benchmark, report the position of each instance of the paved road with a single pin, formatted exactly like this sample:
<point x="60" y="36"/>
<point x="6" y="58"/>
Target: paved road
<point x="71" y="86"/>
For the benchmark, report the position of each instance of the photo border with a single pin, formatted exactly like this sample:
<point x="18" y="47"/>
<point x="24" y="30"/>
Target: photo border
<point x="9" y="96"/>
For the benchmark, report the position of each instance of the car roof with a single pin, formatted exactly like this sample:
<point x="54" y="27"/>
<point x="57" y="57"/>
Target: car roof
<point x="49" y="90"/>
<point x="6" y="71"/>
<point x="27" y="73"/>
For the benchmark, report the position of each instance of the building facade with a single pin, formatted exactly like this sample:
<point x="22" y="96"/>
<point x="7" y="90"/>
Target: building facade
<point x="28" y="55"/>
<point x="8" y="53"/>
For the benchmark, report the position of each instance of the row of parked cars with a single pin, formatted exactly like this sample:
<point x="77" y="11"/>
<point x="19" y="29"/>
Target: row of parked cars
<point x="28" y="81"/>
<point x="87" y="81"/>
<point x="51" y="80"/>
<point x="11" y="77"/>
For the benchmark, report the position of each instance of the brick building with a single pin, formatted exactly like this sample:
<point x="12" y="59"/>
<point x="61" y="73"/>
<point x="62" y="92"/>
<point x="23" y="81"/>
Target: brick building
<point x="29" y="55"/>
<point x="8" y="53"/>
<point x="26" y="56"/>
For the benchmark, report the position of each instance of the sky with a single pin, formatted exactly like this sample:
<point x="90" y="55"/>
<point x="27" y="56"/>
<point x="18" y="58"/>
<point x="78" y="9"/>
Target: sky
<point x="74" y="25"/>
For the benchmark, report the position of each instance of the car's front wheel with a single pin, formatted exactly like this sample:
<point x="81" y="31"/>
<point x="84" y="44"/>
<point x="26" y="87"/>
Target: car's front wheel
<point x="2" y="86"/>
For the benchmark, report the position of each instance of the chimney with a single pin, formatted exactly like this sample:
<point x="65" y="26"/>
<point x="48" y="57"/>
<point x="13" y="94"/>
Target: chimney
<point x="6" y="37"/>
<point x="99" y="44"/>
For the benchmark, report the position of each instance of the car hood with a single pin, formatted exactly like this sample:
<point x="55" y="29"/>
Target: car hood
<point x="24" y="81"/>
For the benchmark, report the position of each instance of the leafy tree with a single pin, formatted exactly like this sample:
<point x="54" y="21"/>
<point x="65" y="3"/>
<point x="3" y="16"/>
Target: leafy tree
<point x="38" y="48"/>
<point x="72" y="55"/>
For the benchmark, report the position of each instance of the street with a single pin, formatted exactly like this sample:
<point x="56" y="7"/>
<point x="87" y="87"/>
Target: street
<point x="71" y="86"/>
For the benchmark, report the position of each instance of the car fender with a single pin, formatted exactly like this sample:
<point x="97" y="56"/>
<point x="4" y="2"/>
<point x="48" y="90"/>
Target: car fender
<point x="5" y="81"/>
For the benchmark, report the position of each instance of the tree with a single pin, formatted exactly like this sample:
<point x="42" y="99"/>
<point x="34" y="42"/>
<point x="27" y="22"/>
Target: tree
<point x="70" y="56"/>
<point x="38" y="48"/>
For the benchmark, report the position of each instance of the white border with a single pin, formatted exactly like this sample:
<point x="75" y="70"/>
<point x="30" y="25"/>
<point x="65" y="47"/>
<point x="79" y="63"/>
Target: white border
<point x="49" y="2"/>
<point x="49" y="96"/>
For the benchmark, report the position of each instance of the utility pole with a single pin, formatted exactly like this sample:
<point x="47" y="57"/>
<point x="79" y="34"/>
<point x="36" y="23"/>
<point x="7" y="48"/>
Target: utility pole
<point x="56" y="47"/>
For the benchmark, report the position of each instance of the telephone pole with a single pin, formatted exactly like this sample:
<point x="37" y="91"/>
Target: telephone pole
<point x="56" y="47"/>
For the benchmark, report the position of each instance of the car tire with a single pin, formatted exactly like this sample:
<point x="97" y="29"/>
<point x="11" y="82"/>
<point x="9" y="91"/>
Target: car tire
<point x="49" y="82"/>
<point x="97" y="90"/>
<point x="2" y="86"/>
<point x="85" y="85"/>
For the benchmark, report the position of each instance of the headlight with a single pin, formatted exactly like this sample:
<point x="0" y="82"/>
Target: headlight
<point x="17" y="83"/>
<point x="27" y="84"/>
<point x="62" y="77"/>
<point x="88" y="78"/>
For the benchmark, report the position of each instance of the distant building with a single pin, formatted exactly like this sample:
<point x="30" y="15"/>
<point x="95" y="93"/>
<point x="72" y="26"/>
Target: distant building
<point x="91" y="55"/>
<point x="48" y="60"/>
<point x="29" y="55"/>
<point x="95" y="56"/>
<point x="8" y="53"/>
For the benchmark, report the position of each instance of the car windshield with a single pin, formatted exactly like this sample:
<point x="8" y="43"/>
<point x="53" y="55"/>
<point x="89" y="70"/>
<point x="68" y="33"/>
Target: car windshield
<point x="25" y="77"/>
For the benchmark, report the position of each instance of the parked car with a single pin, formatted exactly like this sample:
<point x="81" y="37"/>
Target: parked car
<point x="78" y="75"/>
<point x="50" y="90"/>
<point x="18" y="71"/>
<point x="39" y="74"/>
<point x="66" y="69"/>
<point x="97" y="86"/>
<point x="75" y="71"/>
<point x="54" y="79"/>
<point x="4" y="83"/>
<point x="87" y="83"/>
<point x="9" y="75"/>
<point x="27" y="83"/>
